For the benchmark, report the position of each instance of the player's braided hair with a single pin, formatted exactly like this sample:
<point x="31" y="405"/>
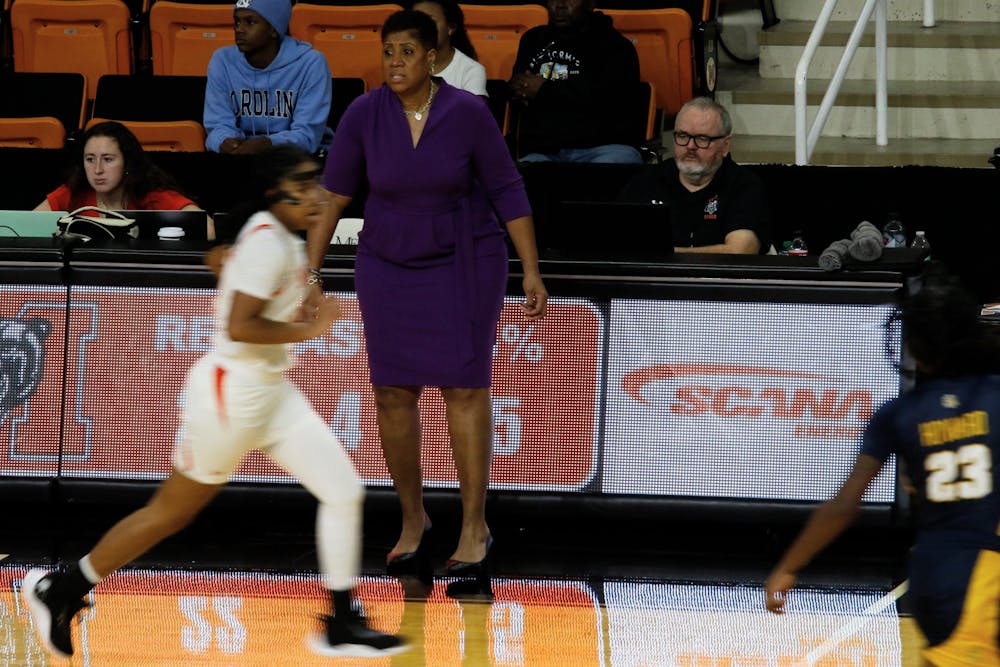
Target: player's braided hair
<point x="271" y="167"/>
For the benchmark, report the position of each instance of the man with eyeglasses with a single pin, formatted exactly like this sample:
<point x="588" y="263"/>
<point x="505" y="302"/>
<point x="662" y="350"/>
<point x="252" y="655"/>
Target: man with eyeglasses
<point x="716" y="206"/>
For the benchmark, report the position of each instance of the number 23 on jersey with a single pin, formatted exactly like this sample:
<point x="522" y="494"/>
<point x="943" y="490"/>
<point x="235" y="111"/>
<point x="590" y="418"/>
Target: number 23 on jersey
<point x="965" y="473"/>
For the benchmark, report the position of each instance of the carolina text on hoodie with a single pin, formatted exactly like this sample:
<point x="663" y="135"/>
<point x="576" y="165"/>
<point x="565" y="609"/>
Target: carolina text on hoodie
<point x="287" y="101"/>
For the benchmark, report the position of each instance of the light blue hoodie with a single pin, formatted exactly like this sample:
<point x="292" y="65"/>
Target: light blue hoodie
<point x="288" y="101"/>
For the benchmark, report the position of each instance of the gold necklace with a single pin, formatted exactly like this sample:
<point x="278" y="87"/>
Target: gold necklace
<point x="419" y="113"/>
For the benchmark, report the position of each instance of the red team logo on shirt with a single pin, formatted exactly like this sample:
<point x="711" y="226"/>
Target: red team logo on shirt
<point x="712" y="208"/>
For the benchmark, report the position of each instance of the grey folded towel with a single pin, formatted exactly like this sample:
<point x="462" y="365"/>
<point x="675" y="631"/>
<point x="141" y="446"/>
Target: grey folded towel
<point x="832" y="259"/>
<point x="866" y="243"/>
<point x="865" y="228"/>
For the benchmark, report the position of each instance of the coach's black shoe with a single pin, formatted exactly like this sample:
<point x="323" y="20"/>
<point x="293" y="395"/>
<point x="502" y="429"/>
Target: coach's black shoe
<point x="413" y="563"/>
<point x="473" y="580"/>
<point x="349" y="636"/>
<point x="50" y="613"/>
<point x="414" y="569"/>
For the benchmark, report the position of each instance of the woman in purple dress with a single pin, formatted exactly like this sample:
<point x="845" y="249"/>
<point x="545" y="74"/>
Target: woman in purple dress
<point x="431" y="271"/>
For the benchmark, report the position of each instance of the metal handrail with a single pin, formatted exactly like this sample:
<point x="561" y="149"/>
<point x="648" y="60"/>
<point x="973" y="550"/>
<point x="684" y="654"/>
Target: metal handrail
<point x="805" y="145"/>
<point x="805" y="141"/>
<point x="928" y="13"/>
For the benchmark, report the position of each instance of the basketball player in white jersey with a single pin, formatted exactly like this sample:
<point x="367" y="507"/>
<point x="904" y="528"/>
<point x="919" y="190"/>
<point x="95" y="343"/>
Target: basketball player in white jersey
<point x="238" y="399"/>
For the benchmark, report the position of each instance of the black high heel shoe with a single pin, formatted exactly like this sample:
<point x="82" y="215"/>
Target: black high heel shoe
<point x="473" y="580"/>
<point x="412" y="563"/>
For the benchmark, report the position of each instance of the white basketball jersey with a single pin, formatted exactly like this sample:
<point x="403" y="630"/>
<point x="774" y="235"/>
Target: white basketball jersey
<point x="267" y="262"/>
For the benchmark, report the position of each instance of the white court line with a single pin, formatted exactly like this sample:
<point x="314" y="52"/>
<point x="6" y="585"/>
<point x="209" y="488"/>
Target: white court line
<point x="851" y="628"/>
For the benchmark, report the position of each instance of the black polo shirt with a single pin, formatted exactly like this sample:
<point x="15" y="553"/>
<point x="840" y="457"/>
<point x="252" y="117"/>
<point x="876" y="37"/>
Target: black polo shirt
<point x="735" y="199"/>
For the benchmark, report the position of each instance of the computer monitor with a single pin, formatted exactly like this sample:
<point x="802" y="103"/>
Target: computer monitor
<point x="607" y="230"/>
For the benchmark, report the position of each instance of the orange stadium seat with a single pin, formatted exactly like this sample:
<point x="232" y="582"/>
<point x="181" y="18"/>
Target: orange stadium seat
<point x="178" y="135"/>
<point x="495" y="31"/>
<point x="648" y="101"/>
<point x="700" y="11"/>
<point x="87" y="36"/>
<point x="183" y="36"/>
<point x="38" y="132"/>
<point x="663" y="39"/>
<point x="349" y="37"/>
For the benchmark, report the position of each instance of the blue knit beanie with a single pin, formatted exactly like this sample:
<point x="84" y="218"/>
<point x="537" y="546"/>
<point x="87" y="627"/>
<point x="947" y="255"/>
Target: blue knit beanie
<point x="276" y="12"/>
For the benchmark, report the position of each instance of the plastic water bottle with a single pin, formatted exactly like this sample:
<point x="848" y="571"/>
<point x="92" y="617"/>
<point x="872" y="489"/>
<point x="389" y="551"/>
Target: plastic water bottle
<point x="798" y="247"/>
<point x="920" y="241"/>
<point x="894" y="234"/>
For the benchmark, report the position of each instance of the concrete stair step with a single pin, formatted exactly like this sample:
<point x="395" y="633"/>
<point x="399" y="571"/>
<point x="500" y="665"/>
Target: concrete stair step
<point x="839" y="151"/>
<point x="968" y="51"/>
<point x="926" y="109"/>
<point x="897" y="10"/>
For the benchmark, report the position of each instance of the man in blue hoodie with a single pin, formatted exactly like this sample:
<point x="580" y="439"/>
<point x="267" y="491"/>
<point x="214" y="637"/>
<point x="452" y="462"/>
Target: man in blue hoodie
<point x="269" y="88"/>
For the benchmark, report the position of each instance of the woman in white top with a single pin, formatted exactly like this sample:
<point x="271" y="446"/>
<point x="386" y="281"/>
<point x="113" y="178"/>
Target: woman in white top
<point x="456" y="57"/>
<point x="238" y="399"/>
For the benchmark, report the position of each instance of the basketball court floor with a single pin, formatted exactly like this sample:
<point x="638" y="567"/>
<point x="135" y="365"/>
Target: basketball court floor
<point x="183" y="617"/>
<point x="230" y="596"/>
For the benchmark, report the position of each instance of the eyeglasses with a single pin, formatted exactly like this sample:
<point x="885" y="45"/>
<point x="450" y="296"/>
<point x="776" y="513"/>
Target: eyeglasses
<point x="700" y="140"/>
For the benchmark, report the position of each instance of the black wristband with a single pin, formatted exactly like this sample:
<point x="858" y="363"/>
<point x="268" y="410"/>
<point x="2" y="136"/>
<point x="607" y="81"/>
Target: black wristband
<point x="314" y="277"/>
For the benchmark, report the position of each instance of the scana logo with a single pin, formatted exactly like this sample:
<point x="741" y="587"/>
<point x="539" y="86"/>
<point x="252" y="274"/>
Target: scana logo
<point x="732" y="391"/>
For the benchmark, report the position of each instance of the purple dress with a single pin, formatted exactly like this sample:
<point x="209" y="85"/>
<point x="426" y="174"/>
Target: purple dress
<point x="431" y="268"/>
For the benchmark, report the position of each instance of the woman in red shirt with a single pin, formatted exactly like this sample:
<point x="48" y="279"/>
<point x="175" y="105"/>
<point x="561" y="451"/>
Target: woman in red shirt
<point x="115" y="174"/>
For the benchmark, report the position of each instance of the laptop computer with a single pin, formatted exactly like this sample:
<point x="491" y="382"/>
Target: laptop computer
<point x="194" y="223"/>
<point x="607" y="231"/>
<point x="29" y="224"/>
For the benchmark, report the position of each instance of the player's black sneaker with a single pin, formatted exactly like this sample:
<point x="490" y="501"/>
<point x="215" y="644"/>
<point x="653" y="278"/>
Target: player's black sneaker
<point x="50" y="613"/>
<point x="350" y="636"/>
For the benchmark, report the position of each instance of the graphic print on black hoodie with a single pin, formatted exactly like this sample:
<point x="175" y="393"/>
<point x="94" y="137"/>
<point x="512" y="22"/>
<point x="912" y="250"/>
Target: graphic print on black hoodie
<point x="592" y="74"/>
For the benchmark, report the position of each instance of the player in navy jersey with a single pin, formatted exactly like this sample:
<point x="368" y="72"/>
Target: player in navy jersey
<point x="943" y="432"/>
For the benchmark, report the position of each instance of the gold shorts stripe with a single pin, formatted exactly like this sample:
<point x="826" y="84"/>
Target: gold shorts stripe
<point x="974" y="641"/>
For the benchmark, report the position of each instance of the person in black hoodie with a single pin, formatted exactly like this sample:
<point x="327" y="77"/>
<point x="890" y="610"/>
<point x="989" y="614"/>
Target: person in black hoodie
<point x="572" y="87"/>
